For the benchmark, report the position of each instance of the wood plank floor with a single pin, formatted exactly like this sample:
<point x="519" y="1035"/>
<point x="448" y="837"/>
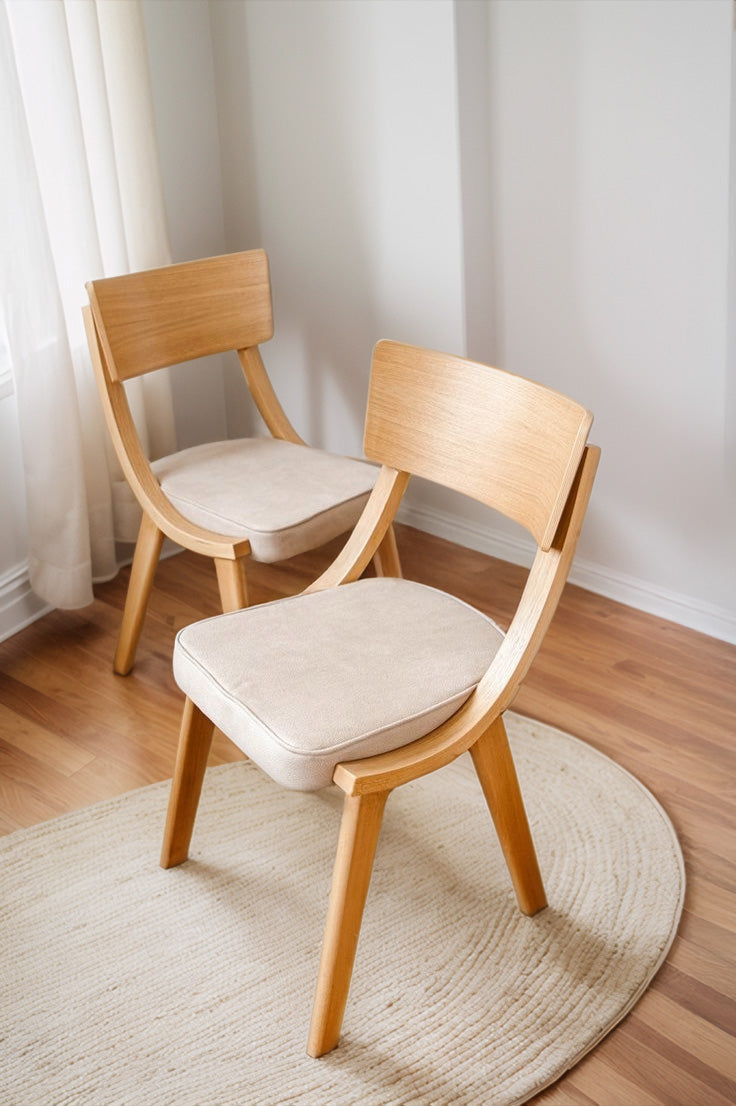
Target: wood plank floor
<point x="658" y="698"/>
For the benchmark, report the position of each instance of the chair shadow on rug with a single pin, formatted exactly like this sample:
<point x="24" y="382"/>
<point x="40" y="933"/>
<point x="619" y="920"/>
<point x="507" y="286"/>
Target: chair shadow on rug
<point x="372" y="683"/>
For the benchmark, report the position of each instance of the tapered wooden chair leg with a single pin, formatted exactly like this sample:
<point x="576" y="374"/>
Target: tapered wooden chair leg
<point x="361" y="823"/>
<point x="145" y="559"/>
<point x="386" y="558"/>
<point x="497" y="774"/>
<point x="195" y="740"/>
<point x="231" y="582"/>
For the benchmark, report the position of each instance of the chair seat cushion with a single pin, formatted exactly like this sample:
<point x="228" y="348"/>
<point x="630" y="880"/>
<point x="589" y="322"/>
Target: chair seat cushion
<point x="284" y="498"/>
<point x="306" y="682"/>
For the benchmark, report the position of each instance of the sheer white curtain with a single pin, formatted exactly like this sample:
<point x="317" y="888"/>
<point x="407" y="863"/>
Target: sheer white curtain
<point x="80" y="198"/>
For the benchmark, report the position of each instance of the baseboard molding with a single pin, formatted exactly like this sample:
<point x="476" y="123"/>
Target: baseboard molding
<point x="19" y="604"/>
<point x="644" y="596"/>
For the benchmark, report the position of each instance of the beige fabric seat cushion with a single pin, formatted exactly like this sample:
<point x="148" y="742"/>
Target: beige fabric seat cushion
<point x="304" y="683"/>
<point x="284" y="498"/>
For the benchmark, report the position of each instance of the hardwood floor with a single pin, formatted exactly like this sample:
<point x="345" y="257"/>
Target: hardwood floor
<point x="658" y="698"/>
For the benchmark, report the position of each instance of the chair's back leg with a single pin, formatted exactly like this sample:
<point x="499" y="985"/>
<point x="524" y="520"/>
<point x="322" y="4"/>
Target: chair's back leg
<point x="232" y="584"/>
<point x="195" y="740"/>
<point x="361" y="823"/>
<point x="386" y="558"/>
<point x="497" y="774"/>
<point x="145" y="559"/>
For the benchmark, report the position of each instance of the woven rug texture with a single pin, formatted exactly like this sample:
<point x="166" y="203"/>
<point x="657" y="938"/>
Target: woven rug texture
<point x="125" y="985"/>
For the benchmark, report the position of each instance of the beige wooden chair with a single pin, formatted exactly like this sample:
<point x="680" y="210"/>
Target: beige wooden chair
<point x="269" y="498"/>
<point x="371" y="683"/>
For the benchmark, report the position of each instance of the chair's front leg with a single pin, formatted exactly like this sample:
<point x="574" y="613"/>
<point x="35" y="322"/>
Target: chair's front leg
<point x="497" y="774"/>
<point x="361" y="823"/>
<point x="195" y="740"/>
<point x="145" y="559"/>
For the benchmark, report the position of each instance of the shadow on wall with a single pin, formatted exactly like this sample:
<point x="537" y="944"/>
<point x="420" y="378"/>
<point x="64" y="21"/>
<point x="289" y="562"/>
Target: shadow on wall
<point x="483" y="341"/>
<point x="304" y="135"/>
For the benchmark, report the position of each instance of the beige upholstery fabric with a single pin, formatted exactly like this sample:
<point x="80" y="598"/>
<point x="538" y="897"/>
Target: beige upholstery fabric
<point x="304" y="683"/>
<point x="284" y="498"/>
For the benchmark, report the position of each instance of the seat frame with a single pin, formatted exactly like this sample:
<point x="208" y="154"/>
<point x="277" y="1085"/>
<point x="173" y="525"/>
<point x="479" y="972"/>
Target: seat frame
<point x="141" y="322"/>
<point x="477" y="727"/>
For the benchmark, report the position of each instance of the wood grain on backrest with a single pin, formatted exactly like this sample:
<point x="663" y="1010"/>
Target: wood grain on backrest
<point x="497" y="437"/>
<point x="164" y="316"/>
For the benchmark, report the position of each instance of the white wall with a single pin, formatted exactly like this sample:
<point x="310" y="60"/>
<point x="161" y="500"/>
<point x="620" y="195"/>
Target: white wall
<point x="339" y="150"/>
<point x="182" y="77"/>
<point x="544" y="185"/>
<point x="611" y="132"/>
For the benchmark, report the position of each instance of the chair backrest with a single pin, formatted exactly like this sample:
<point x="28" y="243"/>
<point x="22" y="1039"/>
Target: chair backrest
<point x="505" y="441"/>
<point x="165" y="316"/>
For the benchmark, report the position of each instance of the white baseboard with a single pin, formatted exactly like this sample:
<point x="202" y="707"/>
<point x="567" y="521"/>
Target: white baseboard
<point x="19" y="605"/>
<point x="644" y="596"/>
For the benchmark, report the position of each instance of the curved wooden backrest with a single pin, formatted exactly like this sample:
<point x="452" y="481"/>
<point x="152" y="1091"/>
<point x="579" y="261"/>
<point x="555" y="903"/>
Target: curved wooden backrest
<point x="165" y="316"/>
<point x="505" y="441"/>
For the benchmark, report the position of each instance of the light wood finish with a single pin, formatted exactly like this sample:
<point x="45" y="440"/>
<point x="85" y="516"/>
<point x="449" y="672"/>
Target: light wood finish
<point x="164" y="316"/>
<point x="137" y="470"/>
<point x="658" y="698"/>
<point x="477" y="727"/>
<point x="195" y="740"/>
<point x="232" y="584"/>
<point x="140" y="322"/>
<point x="369" y="534"/>
<point x="143" y="569"/>
<point x="428" y="414"/>
<point x="356" y="848"/>
<point x="386" y="558"/>
<point x="497" y="774"/>
<point x="425" y="410"/>
<point x="502" y="680"/>
<point x="265" y="398"/>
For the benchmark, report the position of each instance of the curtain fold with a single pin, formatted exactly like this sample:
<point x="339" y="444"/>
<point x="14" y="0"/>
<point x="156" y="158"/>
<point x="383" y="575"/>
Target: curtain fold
<point x="80" y="198"/>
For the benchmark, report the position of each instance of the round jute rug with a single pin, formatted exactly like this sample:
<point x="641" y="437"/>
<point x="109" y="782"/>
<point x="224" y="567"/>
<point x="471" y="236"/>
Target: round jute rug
<point x="124" y="984"/>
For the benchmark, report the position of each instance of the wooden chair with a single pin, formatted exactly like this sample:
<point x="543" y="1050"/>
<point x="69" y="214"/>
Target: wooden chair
<point x="372" y="683"/>
<point x="269" y="498"/>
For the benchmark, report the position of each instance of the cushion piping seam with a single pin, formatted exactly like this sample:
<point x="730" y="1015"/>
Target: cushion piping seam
<point x="332" y="748"/>
<point x="259" y="530"/>
<point x="314" y="595"/>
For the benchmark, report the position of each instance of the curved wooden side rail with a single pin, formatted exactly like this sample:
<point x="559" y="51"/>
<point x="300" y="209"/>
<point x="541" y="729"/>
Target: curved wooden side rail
<point x="264" y="396"/>
<point x="386" y="555"/>
<point x="370" y="532"/>
<point x="138" y="471"/>
<point x="160" y="518"/>
<point x="500" y="683"/>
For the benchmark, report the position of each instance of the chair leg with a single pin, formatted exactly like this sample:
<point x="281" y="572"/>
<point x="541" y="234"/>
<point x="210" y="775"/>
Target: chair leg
<point x="361" y="823"/>
<point x="195" y="740"/>
<point x="386" y="558"/>
<point x="145" y="559"/>
<point x="497" y="774"/>
<point x="231" y="582"/>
